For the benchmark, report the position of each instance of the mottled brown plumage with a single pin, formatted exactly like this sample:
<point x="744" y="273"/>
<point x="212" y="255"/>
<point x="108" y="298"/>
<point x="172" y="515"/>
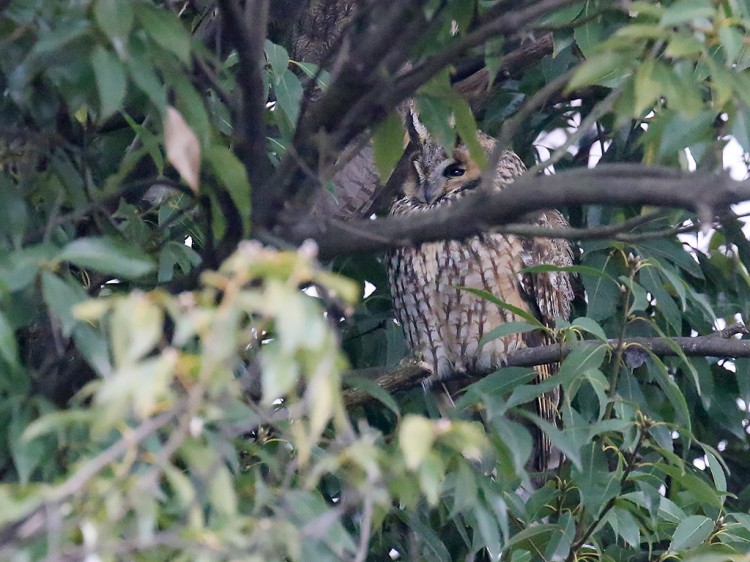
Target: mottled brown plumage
<point x="443" y="324"/>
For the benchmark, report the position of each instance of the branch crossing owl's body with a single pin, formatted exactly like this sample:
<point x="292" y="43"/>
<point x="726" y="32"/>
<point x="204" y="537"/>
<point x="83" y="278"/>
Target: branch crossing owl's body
<point x="443" y="323"/>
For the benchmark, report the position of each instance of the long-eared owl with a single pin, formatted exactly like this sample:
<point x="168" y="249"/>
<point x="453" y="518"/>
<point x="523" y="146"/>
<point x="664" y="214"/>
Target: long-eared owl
<point x="443" y="323"/>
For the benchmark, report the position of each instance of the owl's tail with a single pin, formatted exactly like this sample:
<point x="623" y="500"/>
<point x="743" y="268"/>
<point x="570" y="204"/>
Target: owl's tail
<point x="546" y="457"/>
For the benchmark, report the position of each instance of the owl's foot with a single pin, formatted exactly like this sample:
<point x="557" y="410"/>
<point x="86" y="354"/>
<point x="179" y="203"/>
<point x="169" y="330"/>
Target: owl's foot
<point x="428" y="381"/>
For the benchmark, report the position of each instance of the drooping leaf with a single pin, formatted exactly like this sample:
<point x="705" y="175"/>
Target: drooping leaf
<point x="183" y="148"/>
<point x="387" y="144"/>
<point x="692" y="531"/>
<point x="106" y="255"/>
<point x="110" y="81"/>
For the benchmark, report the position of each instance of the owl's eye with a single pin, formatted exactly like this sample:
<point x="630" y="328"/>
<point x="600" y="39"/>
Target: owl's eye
<point x="453" y="171"/>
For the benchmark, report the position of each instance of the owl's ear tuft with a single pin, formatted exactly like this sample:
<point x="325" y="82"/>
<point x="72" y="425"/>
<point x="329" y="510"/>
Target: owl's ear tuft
<point x="419" y="174"/>
<point x="418" y="133"/>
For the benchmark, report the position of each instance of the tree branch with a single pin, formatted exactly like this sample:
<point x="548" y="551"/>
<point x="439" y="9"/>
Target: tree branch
<point x="360" y="97"/>
<point x="247" y="32"/>
<point x="409" y="374"/>
<point x="615" y="185"/>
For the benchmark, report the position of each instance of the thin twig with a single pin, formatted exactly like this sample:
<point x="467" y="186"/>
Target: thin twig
<point x="599" y="110"/>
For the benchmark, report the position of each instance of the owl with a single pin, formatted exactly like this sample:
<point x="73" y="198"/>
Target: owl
<point x="444" y="324"/>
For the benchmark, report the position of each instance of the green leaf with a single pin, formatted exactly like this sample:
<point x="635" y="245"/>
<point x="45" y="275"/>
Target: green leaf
<point x="431" y="473"/>
<point x="601" y="69"/>
<point x="54" y="421"/>
<point x="591" y="326"/>
<point x="221" y="490"/>
<point x="465" y="493"/>
<point x="57" y="38"/>
<point x="602" y="290"/>
<point x="590" y="34"/>
<point x="691" y="531"/>
<point x="651" y="281"/>
<point x="106" y="255"/>
<point x="388" y="144"/>
<point x="580" y="269"/>
<point x="646" y="8"/>
<point x="277" y="57"/>
<point x="686" y="10"/>
<point x="110" y="81"/>
<point x="191" y="105"/>
<point x="625" y="525"/>
<point x="150" y="144"/>
<point x="488" y="529"/>
<point x="280" y="372"/>
<point x="692" y="129"/>
<point x="322" y="77"/>
<point x="717" y="472"/>
<point x="501" y="381"/>
<point x="94" y="348"/>
<point x="60" y="297"/>
<point x="732" y="39"/>
<point x="28" y="455"/>
<point x="683" y="44"/>
<point x="466" y="126"/>
<point x="8" y="344"/>
<point x="175" y="254"/>
<point x="530" y="318"/>
<point x="375" y="390"/>
<point x="165" y="30"/>
<point x="115" y="19"/>
<point x="233" y="175"/>
<point x="142" y="73"/>
<point x="142" y="388"/>
<point x="415" y="437"/>
<point x="289" y="93"/>
<point x="638" y="296"/>
<point x="672" y="251"/>
<point x="671" y="390"/>
<point x="583" y="356"/>
<point x="561" y="540"/>
<point x="426" y="533"/>
<point x="596" y="482"/>
<point x="136" y="327"/>
<point x="533" y="537"/>
<point x="434" y="112"/>
<point x="506" y="329"/>
<point x="740" y="127"/>
<point x="516" y="439"/>
<point x="647" y="87"/>
<point x="561" y="440"/>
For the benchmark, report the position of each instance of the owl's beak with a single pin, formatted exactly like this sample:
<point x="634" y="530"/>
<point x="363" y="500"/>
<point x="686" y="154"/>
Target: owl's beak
<point x="430" y="192"/>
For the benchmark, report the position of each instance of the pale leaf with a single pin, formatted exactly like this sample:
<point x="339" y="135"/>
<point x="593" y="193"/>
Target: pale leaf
<point x="183" y="149"/>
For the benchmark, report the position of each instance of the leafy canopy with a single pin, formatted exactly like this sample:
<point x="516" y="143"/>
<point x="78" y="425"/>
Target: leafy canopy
<point x="168" y="393"/>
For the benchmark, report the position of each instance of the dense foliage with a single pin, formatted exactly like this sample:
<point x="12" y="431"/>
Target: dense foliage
<point x="172" y="390"/>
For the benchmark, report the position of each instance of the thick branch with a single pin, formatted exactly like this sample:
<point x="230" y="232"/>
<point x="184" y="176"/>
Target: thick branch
<point x="616" y="185"/>
<point x="408" y="375"/>
<point x="247" y="32"/>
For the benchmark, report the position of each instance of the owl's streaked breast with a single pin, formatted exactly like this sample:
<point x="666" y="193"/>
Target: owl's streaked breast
<point x="443" y="323"/>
